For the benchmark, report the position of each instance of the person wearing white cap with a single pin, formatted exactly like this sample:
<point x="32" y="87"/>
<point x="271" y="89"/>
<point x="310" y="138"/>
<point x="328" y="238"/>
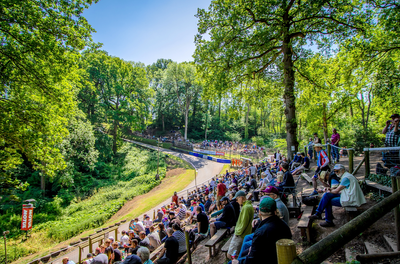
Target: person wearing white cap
<point x="322" y="163"/>
<point x="348" y="193"/>
<point x="297" y="160"/>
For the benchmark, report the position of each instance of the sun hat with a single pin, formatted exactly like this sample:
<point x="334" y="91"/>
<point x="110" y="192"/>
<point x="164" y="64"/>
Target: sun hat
<point x="267" y="205"/>
<point x="317" y="145"/>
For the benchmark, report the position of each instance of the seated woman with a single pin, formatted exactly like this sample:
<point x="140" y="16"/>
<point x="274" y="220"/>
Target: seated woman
<point x="288" y="180"/>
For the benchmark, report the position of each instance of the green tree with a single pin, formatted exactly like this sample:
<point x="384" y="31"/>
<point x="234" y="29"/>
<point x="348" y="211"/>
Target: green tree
<point x="181" y="80"/>
<point x="39" y="48"/>
<point x="256" y="37"/>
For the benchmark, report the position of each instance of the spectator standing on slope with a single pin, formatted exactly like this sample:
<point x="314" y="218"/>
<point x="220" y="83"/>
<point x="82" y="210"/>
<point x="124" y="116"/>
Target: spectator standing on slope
<point x="335" y="145"/>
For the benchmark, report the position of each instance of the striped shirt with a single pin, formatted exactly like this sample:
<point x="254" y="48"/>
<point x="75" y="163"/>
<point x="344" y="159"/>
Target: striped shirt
<point x="180" y="236"/>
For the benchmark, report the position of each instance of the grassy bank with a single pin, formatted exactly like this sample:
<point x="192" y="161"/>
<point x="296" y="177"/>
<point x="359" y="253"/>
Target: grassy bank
<point x="152" y="142"/>
<point x="179" y="175"/>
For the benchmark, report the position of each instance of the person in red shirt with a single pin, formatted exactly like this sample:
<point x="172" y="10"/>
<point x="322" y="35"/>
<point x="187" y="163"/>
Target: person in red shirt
<point x="221" y="190"/>
<point x="175" y="198"/>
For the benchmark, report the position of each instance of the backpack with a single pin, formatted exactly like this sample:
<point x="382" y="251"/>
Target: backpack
<point x="310" y="200"/>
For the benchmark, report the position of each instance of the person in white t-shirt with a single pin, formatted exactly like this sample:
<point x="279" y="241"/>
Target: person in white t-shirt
<point x="124" y="240"/>
<point x="139" y="227"/>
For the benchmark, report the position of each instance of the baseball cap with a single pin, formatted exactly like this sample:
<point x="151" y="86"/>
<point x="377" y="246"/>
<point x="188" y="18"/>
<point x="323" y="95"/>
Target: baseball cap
<point x="271" y="189"/>
<point x="268" y="205"/>
<point x="395" y="116"/>
<point x="298" y="153"/>
<point x="239" y="193"/>
<point x="339" y="167"/>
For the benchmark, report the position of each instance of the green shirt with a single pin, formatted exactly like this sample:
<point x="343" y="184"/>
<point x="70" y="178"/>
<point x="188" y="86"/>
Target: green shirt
<point x="243" y="225"/>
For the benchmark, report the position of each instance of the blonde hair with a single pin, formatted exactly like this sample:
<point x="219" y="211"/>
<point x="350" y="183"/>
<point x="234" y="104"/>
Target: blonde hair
<point x="279" y="177"/>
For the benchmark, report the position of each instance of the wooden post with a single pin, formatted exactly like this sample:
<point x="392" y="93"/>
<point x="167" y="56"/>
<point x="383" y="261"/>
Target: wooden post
<point x="116" y="234"/>
<point x="90" y="245"/>
<point x="350" y="152"/>
<point x="286" y="251"/>
<point x="189" y="254"/>
<point x="395" y="187"/>
<point x="329" y="149"/>
<point x="80" y="255"/>
<point x="305" y="151"/>
<point x="367" y="167"/>
<point x="154" y="214"/>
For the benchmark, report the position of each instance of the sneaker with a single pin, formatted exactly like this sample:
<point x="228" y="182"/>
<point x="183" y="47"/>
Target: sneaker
<point x="326" y="224"/>
<point x="314" y="193"/>
<point x="315" y="216"/>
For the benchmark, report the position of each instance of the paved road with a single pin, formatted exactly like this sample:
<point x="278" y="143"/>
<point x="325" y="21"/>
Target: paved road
<point x="206" y="170"/>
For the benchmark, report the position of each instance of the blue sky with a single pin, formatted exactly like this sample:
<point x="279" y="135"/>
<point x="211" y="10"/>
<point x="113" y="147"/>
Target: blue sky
<point x="146" y="30"/>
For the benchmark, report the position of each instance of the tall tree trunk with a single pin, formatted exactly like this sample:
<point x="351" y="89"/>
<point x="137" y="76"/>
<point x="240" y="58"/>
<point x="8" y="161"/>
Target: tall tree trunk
<point x="115" y="136"/>
<point x="246" y="128"/>
<point x="163" y="123"/>
<point x="325" y="124"/>
<point x="186" y="121"/>
<point x="219" y="109"/>
<point x="288" y="96"/>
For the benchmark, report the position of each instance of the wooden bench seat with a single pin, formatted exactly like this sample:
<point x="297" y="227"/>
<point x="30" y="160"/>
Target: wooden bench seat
<point x="305" y="223"/>
<point x="307" y="178"/>
<point x="153" y="255"/>
<point x="378" y="186"/>
<point x="214" y="240"/>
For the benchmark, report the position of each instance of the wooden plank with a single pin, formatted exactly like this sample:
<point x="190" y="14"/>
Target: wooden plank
<point x="153" y="254"/>
<point x="304" y="220"/>
<point x="225" y="248"/>
<point x="391" y="242"/>
<point x="379" y="186"/>
<point x="216" y="238"/>
<point x="373" y="249"/>
<point x="350" y="209"/>
<point x="306" y="177"/>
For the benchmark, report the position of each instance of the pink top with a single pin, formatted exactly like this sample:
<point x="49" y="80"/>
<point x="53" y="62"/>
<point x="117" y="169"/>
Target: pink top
<point x="335" y="138"/>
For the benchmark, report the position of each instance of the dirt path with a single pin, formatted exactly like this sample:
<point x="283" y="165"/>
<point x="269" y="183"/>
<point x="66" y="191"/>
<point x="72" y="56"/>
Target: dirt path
<point x="206" y="170"/>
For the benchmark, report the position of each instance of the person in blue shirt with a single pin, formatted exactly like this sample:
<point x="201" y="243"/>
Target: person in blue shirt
<point x="305" y="165"/>
<point x="297" y="160"/>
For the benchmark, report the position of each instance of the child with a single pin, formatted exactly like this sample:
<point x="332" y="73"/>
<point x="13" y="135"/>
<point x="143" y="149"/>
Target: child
<point x="279" y="178"/>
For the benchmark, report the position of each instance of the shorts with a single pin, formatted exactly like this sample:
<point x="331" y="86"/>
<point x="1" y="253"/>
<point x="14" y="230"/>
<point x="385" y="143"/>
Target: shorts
<point x="219" y="224"/>
<point x="218" y="199"/>
<point x="235" y="245"/>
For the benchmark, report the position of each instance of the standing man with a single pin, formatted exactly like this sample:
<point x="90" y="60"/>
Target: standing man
<point x="243" y="225"/>
<point x="391" y="137"/>
<point x="221" y="190"/>
<point x="175" y="198"/>
<point x="310" y="148"/>
<point x="322" y="163"/>
<point x="252" y="169"/>
<point x="335" y="145"/>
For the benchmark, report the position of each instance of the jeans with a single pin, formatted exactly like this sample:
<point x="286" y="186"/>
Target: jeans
<point x="328" y="200"/>
<point x="335" y="153"/>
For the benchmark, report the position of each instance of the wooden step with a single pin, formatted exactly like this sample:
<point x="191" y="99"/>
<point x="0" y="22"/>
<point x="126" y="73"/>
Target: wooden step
<point x="391" y="242"/>
<point x="373" y="248"/>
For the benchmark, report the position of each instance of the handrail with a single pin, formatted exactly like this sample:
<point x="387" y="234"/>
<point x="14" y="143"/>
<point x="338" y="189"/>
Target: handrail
<point x="333" y="242"/>
<point x="381" y="149"/>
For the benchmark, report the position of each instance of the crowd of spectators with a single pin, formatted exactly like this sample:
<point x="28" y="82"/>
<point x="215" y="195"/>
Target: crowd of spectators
<point x="250" y="199"/>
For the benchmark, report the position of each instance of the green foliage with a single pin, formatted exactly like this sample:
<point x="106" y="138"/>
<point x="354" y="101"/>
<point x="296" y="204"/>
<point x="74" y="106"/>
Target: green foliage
<point x="40" y="44"/>
<point x="381" y="179"/>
